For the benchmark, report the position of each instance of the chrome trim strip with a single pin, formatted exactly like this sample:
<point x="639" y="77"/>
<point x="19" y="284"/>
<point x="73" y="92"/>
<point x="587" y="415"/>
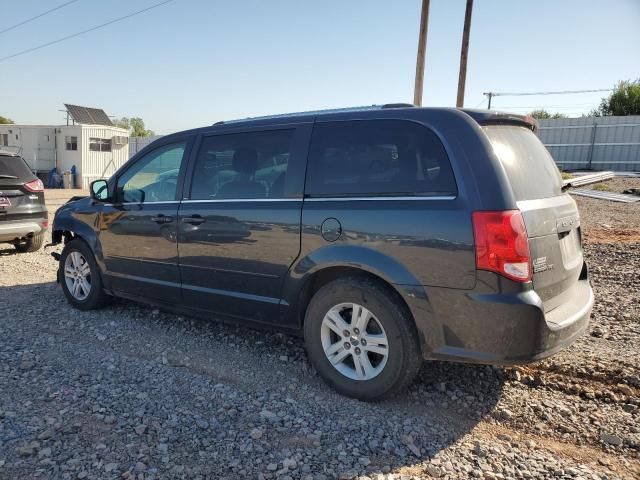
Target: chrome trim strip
<point x="138" y="203"/>
<point x="314" y="199"/>
<point x="237" y="200"/>
<point x="347" y="199"/>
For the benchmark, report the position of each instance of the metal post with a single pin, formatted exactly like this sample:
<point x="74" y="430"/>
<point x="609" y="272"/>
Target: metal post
<point x="422" y="48"/>
<point x="593" y="141"/>
<point x="464" y="51"/>
<point x="490" y="95"/>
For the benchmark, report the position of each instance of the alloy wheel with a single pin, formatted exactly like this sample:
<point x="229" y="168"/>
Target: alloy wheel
<point x="354" y="341"/>
<point x="77" y="275"/>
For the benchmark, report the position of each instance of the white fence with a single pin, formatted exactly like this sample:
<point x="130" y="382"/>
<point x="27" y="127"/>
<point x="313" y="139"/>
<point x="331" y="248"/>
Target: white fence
<point x="138" y="143"/>
<point x="594" y="143"/>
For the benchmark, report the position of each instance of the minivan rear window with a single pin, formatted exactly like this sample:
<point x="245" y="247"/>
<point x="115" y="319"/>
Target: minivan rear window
<point x="14" y="167"/>
<point x="377" y="158"/>
<point x="530" y="168"/>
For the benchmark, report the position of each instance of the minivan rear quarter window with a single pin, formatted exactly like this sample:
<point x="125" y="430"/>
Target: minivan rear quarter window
<point x="377" y="158"/>
<point x="529" y="166"/>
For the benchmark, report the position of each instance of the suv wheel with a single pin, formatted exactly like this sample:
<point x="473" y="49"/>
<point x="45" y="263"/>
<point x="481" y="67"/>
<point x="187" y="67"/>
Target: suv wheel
<point x="361" y="339"/>
<point x="80" y="277"/>
<point x="31" y="244"/>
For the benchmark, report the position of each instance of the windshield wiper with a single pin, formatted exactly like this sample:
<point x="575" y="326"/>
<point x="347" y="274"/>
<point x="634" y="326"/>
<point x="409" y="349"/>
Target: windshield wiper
<point x="7" y="176"/>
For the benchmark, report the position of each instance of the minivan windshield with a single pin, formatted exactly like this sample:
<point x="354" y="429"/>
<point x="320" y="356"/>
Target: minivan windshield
<point x="14" y="167"/>
<point x="531" y="170"/>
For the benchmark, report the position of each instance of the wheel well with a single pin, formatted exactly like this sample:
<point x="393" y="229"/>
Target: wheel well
<point x="67" y="236"/>
<point x="329" y="274"/>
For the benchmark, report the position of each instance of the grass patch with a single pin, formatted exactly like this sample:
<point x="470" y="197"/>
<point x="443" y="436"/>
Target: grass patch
<point x="566" y="175"/>
<point x="603" y="187"/>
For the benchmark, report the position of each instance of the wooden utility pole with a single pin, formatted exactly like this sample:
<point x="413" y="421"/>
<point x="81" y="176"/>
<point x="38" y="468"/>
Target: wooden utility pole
<point x="422" y="48"/>
<point x="462" y="78"/>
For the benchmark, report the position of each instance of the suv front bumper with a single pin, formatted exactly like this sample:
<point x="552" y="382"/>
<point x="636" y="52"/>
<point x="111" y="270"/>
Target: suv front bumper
<point x="503" y="328"/>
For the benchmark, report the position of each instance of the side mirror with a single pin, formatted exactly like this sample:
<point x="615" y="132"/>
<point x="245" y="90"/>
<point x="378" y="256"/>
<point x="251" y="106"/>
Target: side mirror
<point x="99" y="190"/>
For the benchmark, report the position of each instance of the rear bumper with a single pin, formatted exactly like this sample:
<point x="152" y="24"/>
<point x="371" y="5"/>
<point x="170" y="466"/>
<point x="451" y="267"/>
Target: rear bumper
<point x="501" y="328"/>
<point x="13" y="230"/>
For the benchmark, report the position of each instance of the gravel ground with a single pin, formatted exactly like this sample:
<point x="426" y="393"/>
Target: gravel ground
<point x="133" y="392"/>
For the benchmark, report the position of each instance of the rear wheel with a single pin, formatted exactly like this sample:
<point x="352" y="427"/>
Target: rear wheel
<point x="80" y="277"/>
<point x="361" y="339"/>
<point x="31" y="244"/>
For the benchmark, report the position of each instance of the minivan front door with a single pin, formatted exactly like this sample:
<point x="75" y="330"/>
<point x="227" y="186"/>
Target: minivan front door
<point x="138" y="231"/>
<point x="239" y="230"/>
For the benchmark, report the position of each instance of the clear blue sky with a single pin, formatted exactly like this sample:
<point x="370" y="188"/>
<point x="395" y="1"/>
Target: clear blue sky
<point x="193" y="62"/>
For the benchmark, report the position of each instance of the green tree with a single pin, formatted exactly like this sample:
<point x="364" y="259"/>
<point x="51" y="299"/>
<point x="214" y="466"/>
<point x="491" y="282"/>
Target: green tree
<point x="542" y="114"/>
<point x="122" y="123"/>
<point x="135" y="125"/>
<point x="624" y="100"/>
<point x="5" y="120"/>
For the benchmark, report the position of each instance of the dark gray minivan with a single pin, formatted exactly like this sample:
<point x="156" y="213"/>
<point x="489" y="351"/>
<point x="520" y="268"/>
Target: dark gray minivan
<point x="385" y="235"/>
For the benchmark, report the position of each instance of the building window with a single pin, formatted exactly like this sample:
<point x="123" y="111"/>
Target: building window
<point x="71" y="142"/>
<point x="4" y="139"/>
<point x="100" y="144"/>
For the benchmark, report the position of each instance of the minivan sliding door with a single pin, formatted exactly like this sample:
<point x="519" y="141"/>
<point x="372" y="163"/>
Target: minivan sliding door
<point x="239" y="229"/>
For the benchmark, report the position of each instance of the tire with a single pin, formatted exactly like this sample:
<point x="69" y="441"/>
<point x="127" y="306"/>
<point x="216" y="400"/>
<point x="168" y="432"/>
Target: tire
<point x="31" y="244"/>
<point x="386" y="375"/>
<point x="77" y="254"/>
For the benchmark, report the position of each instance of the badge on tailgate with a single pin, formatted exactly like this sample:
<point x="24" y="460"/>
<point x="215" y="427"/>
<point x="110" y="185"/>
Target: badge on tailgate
<point x="566" y="224"/>
<point x="5" y="202"/>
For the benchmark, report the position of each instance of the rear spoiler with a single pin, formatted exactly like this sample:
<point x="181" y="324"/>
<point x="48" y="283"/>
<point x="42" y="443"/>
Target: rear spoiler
<point x="586" y="179"/>
<point x="492" y="117"/>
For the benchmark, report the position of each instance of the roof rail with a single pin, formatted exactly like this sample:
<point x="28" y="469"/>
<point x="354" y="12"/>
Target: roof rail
<point x="397" y="105"/>
<point x="316" y="112"/>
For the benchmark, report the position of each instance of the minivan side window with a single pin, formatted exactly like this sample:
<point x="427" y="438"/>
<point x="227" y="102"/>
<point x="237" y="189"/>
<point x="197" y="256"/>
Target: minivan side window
<point x="154" y="177"/>
<point x="250" y="165"/>
<point x="377" y="158"/>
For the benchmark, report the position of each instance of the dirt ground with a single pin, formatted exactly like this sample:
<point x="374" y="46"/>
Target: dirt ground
<point x="136" y="393"/>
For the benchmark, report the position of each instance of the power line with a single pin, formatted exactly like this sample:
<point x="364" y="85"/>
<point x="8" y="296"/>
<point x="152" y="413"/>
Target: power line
<point x="490" y="95"/>
<point x="502" y="94"/>
<point x="77" y="34"/>
<point x="37" y="16"/>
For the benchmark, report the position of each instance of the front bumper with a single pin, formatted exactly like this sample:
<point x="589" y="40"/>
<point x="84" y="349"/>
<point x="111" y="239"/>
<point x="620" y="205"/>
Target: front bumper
<point x="15" y="230"/>
<point x="501" y="328"/>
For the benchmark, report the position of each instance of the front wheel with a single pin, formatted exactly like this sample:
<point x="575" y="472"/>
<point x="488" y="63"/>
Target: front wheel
<point x="361" y="339"/>
<point x="80" y="277"/>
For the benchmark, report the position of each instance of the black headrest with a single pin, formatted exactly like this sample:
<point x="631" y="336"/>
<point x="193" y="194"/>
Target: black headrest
<point x="245" y="160"/>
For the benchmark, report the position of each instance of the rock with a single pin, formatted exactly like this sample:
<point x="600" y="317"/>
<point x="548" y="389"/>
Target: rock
<point x="289" y="463"/>
<point x="140" y="429"/>
<point x="109" y="467"/>
<point x="46" y="434"/>
<point x="610" y="439"/>
<point x="256" y="434"/>
<point x="364" y="461"/>
<point x="272" y="467"/>
<point x="28" y="450"/>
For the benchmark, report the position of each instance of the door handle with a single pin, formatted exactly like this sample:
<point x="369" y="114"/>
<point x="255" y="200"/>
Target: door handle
<point x="162" y="219"/>
<point x="194" y="220"/>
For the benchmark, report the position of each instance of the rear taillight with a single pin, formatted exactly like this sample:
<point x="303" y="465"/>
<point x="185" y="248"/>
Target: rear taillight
<point x="502" y="245"/>
<point x="35" y="185"/>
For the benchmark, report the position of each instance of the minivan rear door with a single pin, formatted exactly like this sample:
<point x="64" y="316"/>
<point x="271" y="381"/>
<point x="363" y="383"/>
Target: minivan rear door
<point x="551" y="216"/>
<point x="239" y="225"/>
